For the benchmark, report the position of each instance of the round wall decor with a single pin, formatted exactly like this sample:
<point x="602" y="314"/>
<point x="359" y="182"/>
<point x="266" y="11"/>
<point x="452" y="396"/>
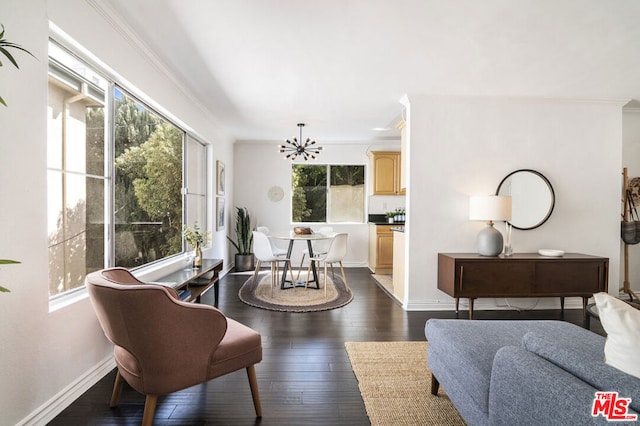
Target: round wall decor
<point x="275" y="193"/>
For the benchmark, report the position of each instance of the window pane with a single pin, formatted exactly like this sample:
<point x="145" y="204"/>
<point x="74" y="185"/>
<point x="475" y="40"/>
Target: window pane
<point x="347" y="194"/>
<point x="309" y="192"/>
<point x="76" y="229"/>
<point x="76" y="171"/>
<point x="148" y="183"/>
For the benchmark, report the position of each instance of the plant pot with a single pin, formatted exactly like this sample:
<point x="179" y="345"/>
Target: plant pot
<point x="244" y="262"/>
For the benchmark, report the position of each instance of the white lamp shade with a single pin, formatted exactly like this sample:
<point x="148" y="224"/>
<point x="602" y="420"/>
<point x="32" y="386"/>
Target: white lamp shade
<point x="490" y="207"/>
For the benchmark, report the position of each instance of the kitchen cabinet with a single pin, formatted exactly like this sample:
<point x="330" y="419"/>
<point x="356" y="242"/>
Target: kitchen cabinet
<point x="386" y="172"/>
<point x="381" y="249"/>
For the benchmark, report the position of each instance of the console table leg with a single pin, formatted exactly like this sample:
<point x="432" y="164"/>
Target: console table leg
<point x="457" y="304"/>
<point x="562" y="304"/>
<point x="471" y="308"/>
<point x="584" y="309"/>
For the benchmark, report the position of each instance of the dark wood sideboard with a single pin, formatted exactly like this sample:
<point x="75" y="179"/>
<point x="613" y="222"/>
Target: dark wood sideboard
<point x="469" y="275"/>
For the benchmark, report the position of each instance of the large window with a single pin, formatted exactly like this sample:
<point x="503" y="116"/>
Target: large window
<point x="148" y="182"/>
<point x="327" y="193"/>
<point x="115" y="176"/>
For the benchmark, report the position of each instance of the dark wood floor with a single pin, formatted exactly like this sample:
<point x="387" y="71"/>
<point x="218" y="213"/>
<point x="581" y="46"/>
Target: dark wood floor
<point x="305" y="376"/>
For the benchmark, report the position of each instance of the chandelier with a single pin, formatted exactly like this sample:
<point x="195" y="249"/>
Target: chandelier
<point x="297" y="147"/>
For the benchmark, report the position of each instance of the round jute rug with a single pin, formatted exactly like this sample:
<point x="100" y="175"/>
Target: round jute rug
<point x="298" y="299"/>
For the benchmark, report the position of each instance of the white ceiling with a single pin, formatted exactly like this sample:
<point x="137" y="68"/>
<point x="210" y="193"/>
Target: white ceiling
<point x="341" y="66"/>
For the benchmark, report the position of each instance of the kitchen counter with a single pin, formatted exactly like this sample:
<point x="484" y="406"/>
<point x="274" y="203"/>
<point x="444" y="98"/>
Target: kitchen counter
<point x="380" y="219"/>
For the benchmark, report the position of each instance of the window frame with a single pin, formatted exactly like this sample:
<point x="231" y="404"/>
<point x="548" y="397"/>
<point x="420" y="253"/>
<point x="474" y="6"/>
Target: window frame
<point x="61" y="41"/>
<point x="328" y="194"/>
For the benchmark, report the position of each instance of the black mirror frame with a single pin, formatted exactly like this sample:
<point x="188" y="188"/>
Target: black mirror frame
<point x="553" y="196"/>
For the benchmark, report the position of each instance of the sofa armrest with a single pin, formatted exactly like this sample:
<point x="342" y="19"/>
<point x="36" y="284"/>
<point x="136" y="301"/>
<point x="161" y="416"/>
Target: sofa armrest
<point x="594" y="372"/>
<point x="527" y="389"/>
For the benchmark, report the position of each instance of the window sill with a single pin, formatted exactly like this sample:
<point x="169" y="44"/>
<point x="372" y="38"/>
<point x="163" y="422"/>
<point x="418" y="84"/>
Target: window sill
<point x="69" y="299"/>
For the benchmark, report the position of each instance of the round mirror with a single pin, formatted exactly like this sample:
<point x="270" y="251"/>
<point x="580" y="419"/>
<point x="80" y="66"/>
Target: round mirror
<point x="532" y="198"/>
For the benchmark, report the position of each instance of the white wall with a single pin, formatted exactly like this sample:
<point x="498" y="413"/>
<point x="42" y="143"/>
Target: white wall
<point x="259" y="166"/>
<point x="465" y="146"/>
<point x="631" y="160"/>
<point x="49" y="357"/>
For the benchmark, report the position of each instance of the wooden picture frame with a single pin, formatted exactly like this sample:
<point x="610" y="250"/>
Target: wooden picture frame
<point x="220" y="177"/>
<point x="220" y="214"/>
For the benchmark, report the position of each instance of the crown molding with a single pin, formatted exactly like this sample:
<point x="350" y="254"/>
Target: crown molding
<point x="119" y="24"/>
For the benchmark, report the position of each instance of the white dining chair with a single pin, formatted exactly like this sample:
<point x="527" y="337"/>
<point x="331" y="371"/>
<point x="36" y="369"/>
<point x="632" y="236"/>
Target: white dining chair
<point x="335" y="253"/>
<point x="263" y="253"/>
<point x="276" y="250"/>
<point x="319" y="246"/>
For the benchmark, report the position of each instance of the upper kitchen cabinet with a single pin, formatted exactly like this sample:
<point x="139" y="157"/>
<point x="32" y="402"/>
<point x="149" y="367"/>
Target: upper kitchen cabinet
<point x="386" y="172"/>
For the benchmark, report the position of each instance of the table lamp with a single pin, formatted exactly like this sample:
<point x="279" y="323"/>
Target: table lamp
<point x="488" y="208"/>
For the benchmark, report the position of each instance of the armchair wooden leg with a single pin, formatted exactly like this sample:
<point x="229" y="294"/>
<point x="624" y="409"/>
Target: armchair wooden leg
<point x="149" y="410"/>
<point x="117" y="390"/>
<point x="255" y="394"/>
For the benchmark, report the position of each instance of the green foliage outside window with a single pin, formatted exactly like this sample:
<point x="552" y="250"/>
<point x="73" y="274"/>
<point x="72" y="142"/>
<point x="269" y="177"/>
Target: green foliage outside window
<point x="312" y="185"/>
<point x="148" y="182"/>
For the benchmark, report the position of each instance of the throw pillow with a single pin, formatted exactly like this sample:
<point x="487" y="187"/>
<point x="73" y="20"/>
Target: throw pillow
<point x="621" y="322"/>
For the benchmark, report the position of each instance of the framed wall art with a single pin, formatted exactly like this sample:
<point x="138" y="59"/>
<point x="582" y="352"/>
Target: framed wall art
<point x="220" y="177"/>
<point x="220" y="214"/>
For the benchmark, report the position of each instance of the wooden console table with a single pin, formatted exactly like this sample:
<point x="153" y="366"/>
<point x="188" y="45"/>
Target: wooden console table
<point x="195" y="281"/>
<point x="471" y="276"/>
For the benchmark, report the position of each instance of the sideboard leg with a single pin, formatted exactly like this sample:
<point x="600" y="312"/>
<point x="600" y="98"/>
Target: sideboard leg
<point x="471" y="308"/>
<point x="457" y="304"/>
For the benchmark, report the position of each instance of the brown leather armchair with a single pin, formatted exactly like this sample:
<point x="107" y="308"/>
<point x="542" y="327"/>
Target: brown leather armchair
<point x="163" y="345"/>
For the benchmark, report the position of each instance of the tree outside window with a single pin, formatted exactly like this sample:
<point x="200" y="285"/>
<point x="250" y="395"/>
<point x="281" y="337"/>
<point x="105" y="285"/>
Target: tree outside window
<point x="142" y="202"/>
<point x="327" y="193"/>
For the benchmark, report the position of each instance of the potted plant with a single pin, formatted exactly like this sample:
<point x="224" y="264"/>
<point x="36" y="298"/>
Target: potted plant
<point x="4" y="44"/>
<point x="196" y="239"/>
<point x="244" y="260"/>
<point x="389" y="216"/>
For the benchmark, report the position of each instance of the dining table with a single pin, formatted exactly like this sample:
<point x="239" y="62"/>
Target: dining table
<point x="292" y="237"/>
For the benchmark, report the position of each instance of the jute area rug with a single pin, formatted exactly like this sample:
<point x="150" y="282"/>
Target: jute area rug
<point x="298" y="299"/>
<point x="395" y="384"/>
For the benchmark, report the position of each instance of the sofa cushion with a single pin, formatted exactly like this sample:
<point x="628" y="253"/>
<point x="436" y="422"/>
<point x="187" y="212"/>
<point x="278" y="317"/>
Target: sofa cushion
<point x="526" y="389"/>
<point x="582" y="356"/>
<point x="622" y="324"/>
<point x="462" y="352"/>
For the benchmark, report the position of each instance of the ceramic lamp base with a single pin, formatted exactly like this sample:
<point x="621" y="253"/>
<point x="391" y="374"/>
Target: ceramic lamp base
<point x="489" y="241"/>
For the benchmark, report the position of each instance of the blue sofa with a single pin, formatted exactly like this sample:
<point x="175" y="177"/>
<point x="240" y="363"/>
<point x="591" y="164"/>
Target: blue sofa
<point x="524" y="372"/>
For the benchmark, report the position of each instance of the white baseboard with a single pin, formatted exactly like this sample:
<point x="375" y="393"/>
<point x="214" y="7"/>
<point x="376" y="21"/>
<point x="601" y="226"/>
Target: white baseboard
<point x="54" y="406"/>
